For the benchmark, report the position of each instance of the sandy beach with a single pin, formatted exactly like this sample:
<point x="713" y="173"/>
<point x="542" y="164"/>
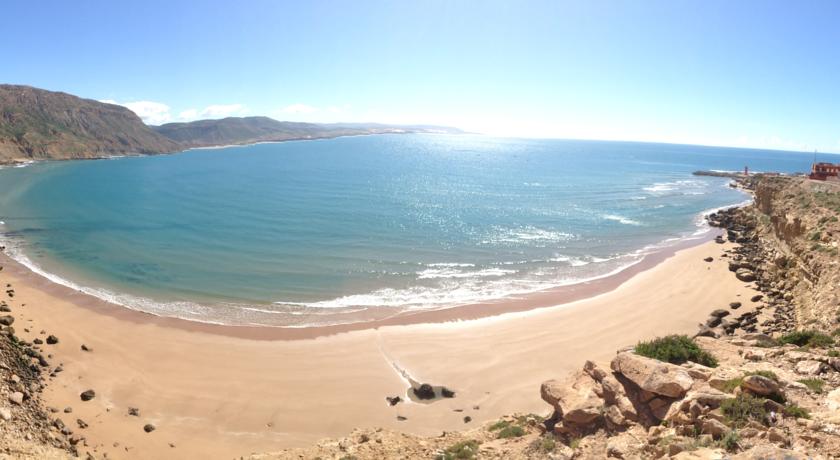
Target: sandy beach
<point x="222" y="392"/>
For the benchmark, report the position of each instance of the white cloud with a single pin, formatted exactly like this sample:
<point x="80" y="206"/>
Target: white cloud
<point x="157" y="113"/>
<point x="152" y="113"/>
<point x="189" y="114"/>
<point x="299" y="108"/>
<point x="221" y="110"/>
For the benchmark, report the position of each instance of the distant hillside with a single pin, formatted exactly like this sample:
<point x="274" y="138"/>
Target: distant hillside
<point x="228" y="131"/>
<point x="39" y="124"/>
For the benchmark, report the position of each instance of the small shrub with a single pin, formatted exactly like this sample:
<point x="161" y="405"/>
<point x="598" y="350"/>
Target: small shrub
<point x="464" y="450"/>
<point x="743" y="408"/>
<point x="768" y="374"/>
<point x="833" y="354"/>
<point x="547" y="444"/>
<point x="778" y="397"/>
<point x="574" y="443"/>
<point x="807" y="338"/>
<point x="501" y="424"/>
<point x="792" y="410"/>
<point x="836" y="332"/>
<point x="730" y="441"/>
<point x="512" y="431"/>
<point x="815" y="385"/>
<point x="675" y="349"/>
<point x="730" y="385"/>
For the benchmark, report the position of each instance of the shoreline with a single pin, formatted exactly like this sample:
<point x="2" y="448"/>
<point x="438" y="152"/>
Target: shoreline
<point x="369" y="317"/>
<point x="219" y="395"/>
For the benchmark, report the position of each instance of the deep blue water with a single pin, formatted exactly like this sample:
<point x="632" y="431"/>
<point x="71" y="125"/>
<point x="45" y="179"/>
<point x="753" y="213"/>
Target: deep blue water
<point x="408" y="221"/>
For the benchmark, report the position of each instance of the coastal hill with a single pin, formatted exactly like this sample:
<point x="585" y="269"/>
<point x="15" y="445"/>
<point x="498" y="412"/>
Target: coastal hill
<point x="37" y="124"/>
<point x="248" y="130"/>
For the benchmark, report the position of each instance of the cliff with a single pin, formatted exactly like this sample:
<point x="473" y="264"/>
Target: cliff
<point x="37" y="124"/>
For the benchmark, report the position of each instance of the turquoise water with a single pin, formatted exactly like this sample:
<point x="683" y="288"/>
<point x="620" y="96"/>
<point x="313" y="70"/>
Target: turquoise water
<point x="282" y="233"/>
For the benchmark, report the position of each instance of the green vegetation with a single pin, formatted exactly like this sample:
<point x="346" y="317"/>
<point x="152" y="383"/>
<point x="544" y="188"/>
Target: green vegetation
<point x="675" y="349"/>
<point x="512" y="431"/>
<point x="730" y="441"/>
<point x="815" y="385"/>
<point x="574" y="443"/>
<point x="508" y="429"/>
<point x="743" y="408"/>
<point x="464" y="450"/>
<point x="833" y="354"/>
<point x="792" y="410"/>
<point x="829" y="200"/>
<point x="807" y="338"/>
<point x="816" y="236"/>
<point x="547" y="443"/>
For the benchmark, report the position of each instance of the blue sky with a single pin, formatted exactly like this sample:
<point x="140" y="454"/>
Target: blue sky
<point x="742" y="73"/>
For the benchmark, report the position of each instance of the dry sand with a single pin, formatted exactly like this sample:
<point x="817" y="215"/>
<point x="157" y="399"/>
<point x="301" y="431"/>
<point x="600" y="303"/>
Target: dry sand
<point x="226" y="392"/>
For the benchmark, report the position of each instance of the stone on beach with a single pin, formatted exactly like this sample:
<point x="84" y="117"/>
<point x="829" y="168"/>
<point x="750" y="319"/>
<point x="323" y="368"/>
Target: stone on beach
<point x="87" y="395"/>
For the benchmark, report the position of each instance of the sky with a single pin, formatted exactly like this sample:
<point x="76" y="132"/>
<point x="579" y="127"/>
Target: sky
<point x="744" y="73"/>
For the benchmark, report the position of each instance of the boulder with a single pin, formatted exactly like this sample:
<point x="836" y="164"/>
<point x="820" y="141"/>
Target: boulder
<point x="719" y="313"/>
<point x="5" y="414"/>
<point x="577" y="401"/>
<point x="734" y="305"/>
<point x="148" y="428"/>
<point x="16" y="397"/>
<point x="745" y="275"/>
<point x="756" y="298"/>
<point x="709" y="259"/>
<point x="7" y="320"/>
<point x="714" y="428"/>
<point x="52" y="340"/>
<point x="424" y="391"/>
<point x="810" y="367"/>
<point x="663" y="379"/>
<point x="87" y="395"/>
<point x="760" y="385"/>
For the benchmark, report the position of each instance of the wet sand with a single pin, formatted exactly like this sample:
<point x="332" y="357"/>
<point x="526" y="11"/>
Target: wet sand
<point x="221" y="391"/>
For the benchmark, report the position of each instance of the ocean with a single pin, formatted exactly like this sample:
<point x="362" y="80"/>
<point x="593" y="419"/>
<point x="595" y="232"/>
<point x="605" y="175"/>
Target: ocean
<point x="307" y="232"/>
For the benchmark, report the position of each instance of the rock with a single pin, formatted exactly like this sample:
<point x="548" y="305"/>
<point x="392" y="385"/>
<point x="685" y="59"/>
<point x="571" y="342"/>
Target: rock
<point x="709" y="259"/>
<point x="734" y="305"/>
<point x="776" y="436"/>
<point x="86" y="348"/>
<point x="5" y="414"/>
<point x="706" y="331"/>
<point x="651" y="375"/>
<point x="713" y="321"/>
<point x="392" y="401"/>
<point x="756" y="298"/>
<point x="7" y="320"/>
<point x="659" y="407"/>
<point x="424" y="391"/>
<point x="38" y="341"/>
<point x="576" y="402"/>
<point x="832" y="400"/>
<point x="719" y="313"/>
<point x="447" y="393"/>
<point x="81" y="423"/>
<point x="810" y="367"/>
<point x="745" y="275"/>
<point x="16" y="397"/>
<point x="467" y="419"/>
<point x="760" y="385"/>
<point x="52" y="340"/>
<point x="68" y="410"/>
<point x="87" y="395"/>
<point x="148" y="428"/>
<point x="714" y="428"/>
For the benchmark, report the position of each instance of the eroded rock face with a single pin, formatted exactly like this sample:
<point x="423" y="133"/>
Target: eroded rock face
<point x="577" y="402"/>
<point x="651" y="375"/>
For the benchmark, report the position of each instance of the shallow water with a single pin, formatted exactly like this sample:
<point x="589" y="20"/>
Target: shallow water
<point x="248" y="235"/>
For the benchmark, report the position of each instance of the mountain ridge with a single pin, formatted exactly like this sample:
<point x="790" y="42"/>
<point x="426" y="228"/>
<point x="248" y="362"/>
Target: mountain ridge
<point x="38" y="124"/>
